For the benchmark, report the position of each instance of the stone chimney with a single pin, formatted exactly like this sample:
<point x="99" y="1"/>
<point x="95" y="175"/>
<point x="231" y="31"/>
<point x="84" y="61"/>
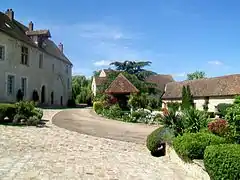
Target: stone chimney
<point x="10" y="14"/>
<point x="60" y="46"/>
<point x="30" y="26"/>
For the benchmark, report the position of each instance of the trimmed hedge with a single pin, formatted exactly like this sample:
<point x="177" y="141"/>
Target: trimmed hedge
<point x="191" y="146"/>
<point x="21" y="113"/>
<point x="7" y="110"/>
<point x="223" y="161"/>
<point x="159" y="137"/>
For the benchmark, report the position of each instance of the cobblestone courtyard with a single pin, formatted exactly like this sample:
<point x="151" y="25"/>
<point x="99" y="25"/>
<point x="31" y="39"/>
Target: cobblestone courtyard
<point x="56" y="153"/>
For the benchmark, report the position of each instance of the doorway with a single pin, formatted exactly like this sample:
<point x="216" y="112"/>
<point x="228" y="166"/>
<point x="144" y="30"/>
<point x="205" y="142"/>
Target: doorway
<point x="43" y="94"/>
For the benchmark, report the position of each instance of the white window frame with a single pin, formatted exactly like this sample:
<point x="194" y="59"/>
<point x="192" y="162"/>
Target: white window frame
<point x="53" y="68"/>
<point x="14" y="84"/>
<point x="25" y="62"/>
<point x="66" y="68"/>
<point x="26" y="90"/>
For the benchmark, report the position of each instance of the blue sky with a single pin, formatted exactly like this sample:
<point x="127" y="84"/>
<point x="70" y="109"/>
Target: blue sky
<point x="179" y="37"/>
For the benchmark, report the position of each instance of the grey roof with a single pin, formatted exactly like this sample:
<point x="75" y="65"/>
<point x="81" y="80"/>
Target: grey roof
<point x="18" y="31"/>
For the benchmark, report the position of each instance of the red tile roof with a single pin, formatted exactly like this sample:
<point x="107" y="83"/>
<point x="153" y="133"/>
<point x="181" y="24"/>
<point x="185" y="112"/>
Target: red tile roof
<point x="228" y="85"/>
<point x="121" y="85"/>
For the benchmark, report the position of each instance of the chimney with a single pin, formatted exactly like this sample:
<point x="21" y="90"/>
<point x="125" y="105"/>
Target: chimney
<point x="30" y="26"/>
<point x="10" y="14"/>
<point x="60" y="47"/>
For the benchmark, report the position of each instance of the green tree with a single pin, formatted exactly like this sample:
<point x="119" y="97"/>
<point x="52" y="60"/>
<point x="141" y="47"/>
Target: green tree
<point x="81" y="89"/>
<point x="133" y="67"/>
<point x="196" y="75"/>
<point x="187" y="99"/>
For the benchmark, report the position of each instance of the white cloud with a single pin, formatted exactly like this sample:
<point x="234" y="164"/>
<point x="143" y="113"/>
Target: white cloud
<point x="215" y="62"/>
<point x="102" y="63"/>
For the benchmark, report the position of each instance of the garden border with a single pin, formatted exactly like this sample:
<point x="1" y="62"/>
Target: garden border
<point x="195" y="168"/>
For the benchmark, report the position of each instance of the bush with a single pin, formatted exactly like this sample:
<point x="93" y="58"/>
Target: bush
<point x="38" y="113"/>
<point x="158" y="138"/>
<point x="33" y="121"/>
<point x="223" y="162"/>
<point x="98" y="106"/>
<point x="233" y="118"/>
<point x="25" y="108"/>
<point x="174" y="105"/>
<point x="218" y="127"/>
<point x="7" y="110"/>
<point x="173" y="121"/>
<point x="191" y="146"/>
<point x="194" y="120"/>
<point x="222" y="109"/>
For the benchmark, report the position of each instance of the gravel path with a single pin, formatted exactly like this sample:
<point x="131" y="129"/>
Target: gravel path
<point x="55" y="153"/>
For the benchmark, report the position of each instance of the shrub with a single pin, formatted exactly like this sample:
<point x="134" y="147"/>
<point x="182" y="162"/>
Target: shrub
<point x="218" y="127"/>
<point x="233" y="118"/>
<point x="191" y="146"/>
<point x="7" y="110"/>
<point x="138" y="101"/>
<point x="33" y="121"/>
<point x="194" y="120"/>
<point x="173" y="121"/>
<point x="222" y="109"/>
<point x="114" y="112"/>
<point x="38" y="113"/>
<point x="158" y="138"/>
<point x="223" y="162"/>
<point x="174" y="105"/>
<point x="25" y="108"/>
<point x="98" y="106"/>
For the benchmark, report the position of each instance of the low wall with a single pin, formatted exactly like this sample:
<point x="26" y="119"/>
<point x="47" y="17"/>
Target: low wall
<point x="195" y="169"/>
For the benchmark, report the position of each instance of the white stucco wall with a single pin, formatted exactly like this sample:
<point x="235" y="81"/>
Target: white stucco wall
<point x="53" y="81"/>
<point x="102" y="73"/>
<point x="94" y="87"/>
<point x="213" y="101"/>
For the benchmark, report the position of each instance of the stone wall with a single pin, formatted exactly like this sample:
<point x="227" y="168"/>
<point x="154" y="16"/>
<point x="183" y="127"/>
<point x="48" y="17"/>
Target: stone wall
<point x="194" y="168"/>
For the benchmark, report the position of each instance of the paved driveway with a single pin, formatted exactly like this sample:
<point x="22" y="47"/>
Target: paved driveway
<point x="85" y="121"/>
<point x="53" y="153"/>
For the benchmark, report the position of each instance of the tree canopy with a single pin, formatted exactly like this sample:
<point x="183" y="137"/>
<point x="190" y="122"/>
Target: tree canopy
<point x="196" y="75"/>
<point x="134" y="67"/>
<point x="81" y="89"/>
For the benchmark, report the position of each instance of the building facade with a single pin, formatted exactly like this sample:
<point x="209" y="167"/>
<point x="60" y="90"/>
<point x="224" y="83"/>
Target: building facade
<point x="30" y="61"/>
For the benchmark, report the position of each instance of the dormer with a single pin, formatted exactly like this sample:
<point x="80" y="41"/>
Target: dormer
<point x="38" y="36"/>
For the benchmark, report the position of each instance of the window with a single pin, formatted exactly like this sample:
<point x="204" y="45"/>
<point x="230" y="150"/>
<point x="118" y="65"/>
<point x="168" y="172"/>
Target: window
<point x="68" y="83"/>
<point x="24" y="85"/>
<point x="40" y="61"/>
<point x="2" y="53"/>
<point x="53" y="67"/>
<point x="10" y="84"/>
<point x="66" y="69"/>
<point x="24" y="55"/>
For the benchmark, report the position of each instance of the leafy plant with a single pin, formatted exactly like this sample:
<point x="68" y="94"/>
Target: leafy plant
<point x="191" y="146"/>
<point x="222" y="109"/>
<point x="173" y="121"/>
<point x="194" y="120"/>
<point x="233" y="118"/>
<point x="33" y="121"/>
<point x="223" y="161"/>
<point x="218" y="127"/>
<point x="25" y="108"/>
<point x="174" y="105"/>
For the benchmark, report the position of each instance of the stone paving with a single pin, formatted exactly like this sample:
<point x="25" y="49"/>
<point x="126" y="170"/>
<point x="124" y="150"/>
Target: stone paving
<point x="55" y="153"/>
